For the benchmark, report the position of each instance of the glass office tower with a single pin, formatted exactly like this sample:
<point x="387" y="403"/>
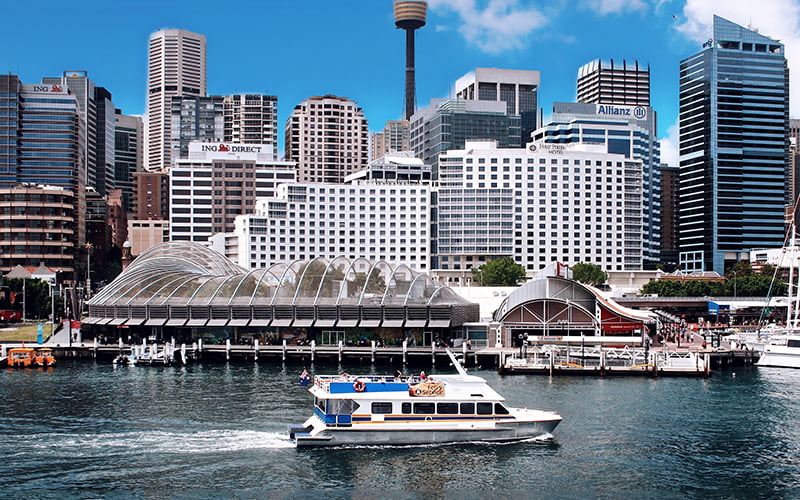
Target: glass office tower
<point x="734" y="114"/>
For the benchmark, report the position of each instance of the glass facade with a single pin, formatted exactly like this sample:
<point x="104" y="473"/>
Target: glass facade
<point x="734" y="113"/>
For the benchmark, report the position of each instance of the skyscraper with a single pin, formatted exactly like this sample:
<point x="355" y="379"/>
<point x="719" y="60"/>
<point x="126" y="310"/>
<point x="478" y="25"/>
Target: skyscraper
<point x="518" y="89"/>
<point x="176" y="66"/>
<point x="734" y="121"/>
<point x="127" y="155"/>
<point x="448" y="123"/>
<point x="97" y="112"/>
<point x="609" y="82"/>
<point x="328" y="138"/>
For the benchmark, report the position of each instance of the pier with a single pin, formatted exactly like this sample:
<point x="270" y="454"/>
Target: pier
<point x="556" y="360"/>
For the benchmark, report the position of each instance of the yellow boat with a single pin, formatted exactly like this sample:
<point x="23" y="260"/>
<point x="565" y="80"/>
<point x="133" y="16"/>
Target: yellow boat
<point x="21" y="357"/>
<point x="44" y="357"/>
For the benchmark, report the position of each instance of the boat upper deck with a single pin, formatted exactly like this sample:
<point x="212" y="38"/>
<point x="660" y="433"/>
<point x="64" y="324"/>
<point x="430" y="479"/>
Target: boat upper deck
<point x="369" y="386"/>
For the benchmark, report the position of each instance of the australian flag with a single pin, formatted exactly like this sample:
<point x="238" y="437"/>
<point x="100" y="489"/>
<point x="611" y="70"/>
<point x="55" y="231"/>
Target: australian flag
<point x="304" y="378"/>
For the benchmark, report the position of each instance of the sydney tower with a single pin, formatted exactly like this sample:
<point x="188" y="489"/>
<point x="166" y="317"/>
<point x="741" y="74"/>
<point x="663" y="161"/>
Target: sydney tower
<point x="409" y="16"/>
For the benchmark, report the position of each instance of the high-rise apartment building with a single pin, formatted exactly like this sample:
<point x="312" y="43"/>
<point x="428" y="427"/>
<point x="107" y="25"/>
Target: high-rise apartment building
<point x="518" y="89"/>
<point x="176" y="66"/>
<point x="609" y="82"/>
<point x="394" y="137"/>
<point x="128" y="137"/>
<point x="327" y="137"/>
<point x="195" y="119"/>
<point x="448" y="123"/>
<point x="734" y="144"/>
<point x="251" y="119"/>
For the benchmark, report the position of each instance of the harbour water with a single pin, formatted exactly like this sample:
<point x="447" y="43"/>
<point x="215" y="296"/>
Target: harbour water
<point x="91" y="430"/>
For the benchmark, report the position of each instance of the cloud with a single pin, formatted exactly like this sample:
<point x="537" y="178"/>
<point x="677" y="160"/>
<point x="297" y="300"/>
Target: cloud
<point x="777" y="19"/>
<point x="605" y="7"/>
<point x="669" y="147"/>
<point x="496" y="25"/>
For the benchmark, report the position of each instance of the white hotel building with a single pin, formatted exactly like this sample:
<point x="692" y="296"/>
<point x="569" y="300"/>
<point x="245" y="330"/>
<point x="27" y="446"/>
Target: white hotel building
<point x="385" y="219"/>
<point x="217" y="183"/>
<point x="547" y="202"/>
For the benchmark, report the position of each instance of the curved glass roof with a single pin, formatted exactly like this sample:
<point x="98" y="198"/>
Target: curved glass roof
<point x="184" y="273"/>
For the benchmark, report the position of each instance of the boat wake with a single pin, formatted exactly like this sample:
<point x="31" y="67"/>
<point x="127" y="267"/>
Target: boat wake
<point x="542" y="438"/>
<point x="165" y="442"/>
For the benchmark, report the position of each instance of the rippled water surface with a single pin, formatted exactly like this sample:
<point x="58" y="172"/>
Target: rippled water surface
<point x="90" y="430"/>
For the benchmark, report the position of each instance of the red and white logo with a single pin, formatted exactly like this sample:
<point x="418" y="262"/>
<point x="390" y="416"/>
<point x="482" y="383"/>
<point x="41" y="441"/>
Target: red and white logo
<point x="223" y="147"/>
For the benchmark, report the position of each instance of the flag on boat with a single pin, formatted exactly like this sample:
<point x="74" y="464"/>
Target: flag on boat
<point x="305" y="378"/>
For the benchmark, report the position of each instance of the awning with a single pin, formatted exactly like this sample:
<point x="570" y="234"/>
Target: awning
<point x="325" y="322"/>
<point x="281" y="322"/>
<point x="155" y="321"/>
<point x="303" y="322"/>
<point x="347" y="323"/>
<point x="90" y="320"/>
<point x="416" y="323"/>
<point x="197" y="322"/>
<point x="176" y="322"/>
<point x="217" y="322"/>
<point x="135" y="321"/>
<point x="115" y="321"/>
<point x="259" y="322"/>
<point x="439" y="323"/>
<point x="392" y="323"/>
<point x="370" y="323"/>
<point x="238" y="322"/>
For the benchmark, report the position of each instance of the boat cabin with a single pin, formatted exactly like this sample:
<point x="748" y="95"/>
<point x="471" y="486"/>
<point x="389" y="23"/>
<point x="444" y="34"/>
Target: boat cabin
<point x="21" y="357"/>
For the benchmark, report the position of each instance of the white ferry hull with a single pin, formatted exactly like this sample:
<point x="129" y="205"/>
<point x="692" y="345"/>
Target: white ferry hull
<point x="368" y="435"/>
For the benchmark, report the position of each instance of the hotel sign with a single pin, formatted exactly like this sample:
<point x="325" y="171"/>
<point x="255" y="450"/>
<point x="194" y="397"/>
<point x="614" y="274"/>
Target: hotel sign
<point x="637" y="112"/>
<point x="545" y="147"/>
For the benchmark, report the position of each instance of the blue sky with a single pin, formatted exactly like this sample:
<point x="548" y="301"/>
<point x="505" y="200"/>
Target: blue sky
<point x="296" y="49"/>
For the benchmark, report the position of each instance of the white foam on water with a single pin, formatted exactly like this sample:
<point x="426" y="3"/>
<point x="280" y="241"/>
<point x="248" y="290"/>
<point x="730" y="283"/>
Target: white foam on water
<point x="210" y="441"/>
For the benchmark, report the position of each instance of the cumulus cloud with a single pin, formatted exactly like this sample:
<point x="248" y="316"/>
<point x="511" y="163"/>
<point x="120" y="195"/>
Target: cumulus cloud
<point x="493" y="25"/>
<point x="605" y="7"/>
<point x="669" y="147"/>
<point x="777" y="19"/>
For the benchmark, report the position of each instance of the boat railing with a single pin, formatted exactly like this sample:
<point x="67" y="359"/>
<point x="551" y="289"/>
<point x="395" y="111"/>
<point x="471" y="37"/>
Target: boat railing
<point x="324" y="381"/>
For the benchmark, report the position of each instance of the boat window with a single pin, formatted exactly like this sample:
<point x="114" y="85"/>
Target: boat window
<point x="320" y="403"/>
<point x="468" y="408"/>
<point x="406" y="408"/>
<point x="382" y="407"/>
<point x="500" y="409"/>
<point x="793" y="343"/>
<point x="484" y="408"/>
<point x="341" y="406"/>
<point x="424" y="408"/>
<point x="447" y="408"/>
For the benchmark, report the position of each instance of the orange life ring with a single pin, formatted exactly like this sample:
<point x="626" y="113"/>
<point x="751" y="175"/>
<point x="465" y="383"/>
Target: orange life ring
<point x="359" y="386"/>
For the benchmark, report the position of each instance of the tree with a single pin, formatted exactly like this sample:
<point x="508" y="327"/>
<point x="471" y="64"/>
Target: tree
<point x="591" y="274"/>
<point x="499" y="272"/>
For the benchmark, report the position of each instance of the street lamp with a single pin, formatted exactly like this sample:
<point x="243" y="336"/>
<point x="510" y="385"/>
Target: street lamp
<point x="734" y="283"/>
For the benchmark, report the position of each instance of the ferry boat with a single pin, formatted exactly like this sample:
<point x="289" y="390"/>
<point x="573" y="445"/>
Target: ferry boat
<point x="397" y="410"/>
<point x="44" y="357"/>
<point x="21" y="357"/>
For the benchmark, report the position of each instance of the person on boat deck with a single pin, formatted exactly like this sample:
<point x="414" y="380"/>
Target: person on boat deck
<point x="422" y="374"/>
<point x="398" y="374"/>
